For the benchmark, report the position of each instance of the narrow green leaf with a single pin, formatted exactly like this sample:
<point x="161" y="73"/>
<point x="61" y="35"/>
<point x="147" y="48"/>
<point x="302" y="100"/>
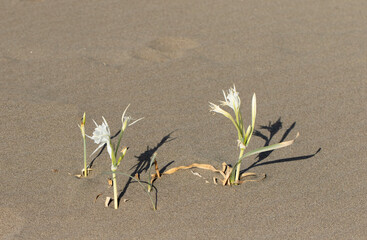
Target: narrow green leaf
<point x="149" y="174"/>
<point x="247" y="134"/>
<point x="119" y="141"/>
<point x="253" y="119"/>
<point x="233" y="173"/>
<point x="123" y="153"/>
<point x="152" y="160"/>
<point x="127" y="175"/>
<point x="268" y="148"/>
<point x="253" y="110"/>
<point x="240" y="120"/>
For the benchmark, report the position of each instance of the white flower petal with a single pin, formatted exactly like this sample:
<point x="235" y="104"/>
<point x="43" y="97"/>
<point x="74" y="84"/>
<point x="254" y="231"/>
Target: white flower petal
<point x="101" y="134"/>
<point x="232" y="99"/>
<point x="109" y="150"/>
<point x="95" y="123"/>
<point x="123" y="115"/>
<point x="135" y="121"/>
<point x="100" y="145"/>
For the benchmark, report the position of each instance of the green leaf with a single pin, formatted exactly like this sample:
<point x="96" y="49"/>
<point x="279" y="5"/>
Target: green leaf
<point x="127" y="175"/>
<point x="269" y="148"/>
<point x="123" y="153"/>
<point x="119" y="141"/>
<point x="253" y="110"/>
<point x="152" y="160"/>
<point x="253" y="119"/>
<point x="247" y="134"/>
<point x="233" y="173"/>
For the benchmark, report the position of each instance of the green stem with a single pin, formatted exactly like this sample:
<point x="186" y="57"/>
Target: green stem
<point x="115" y="198"/>
<point x="119" y="141"/>
<point x="151" y="200"/>
<point x="85" y="158"/>
<point x="238" y="169"/>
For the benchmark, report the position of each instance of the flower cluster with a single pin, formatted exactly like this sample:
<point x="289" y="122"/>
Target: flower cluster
<point x="102" y="136"/>
<point x="232" y="100"/>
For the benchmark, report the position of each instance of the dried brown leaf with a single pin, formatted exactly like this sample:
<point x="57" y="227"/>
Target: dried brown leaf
<point x="137" y="176"/>
<point x="247" y="174"/>
<point x="157" y="169"/>
<point x="251" y="180"/>
<point x="225" y="172"/>
<point x="95" y="200"/>
<point x="196" y="173"/>
<point x="110" y="183"/>
<point x="194" y="165"/>
<point x="107" y="202"/>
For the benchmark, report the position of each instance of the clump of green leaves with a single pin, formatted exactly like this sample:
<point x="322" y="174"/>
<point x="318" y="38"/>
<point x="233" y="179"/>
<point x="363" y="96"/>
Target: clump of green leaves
<point x="233" y="101"/>
<point x="102" y="136"/>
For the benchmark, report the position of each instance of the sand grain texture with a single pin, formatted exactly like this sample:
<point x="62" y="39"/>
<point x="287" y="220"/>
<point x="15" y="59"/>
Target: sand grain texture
<point x="306" y="61"/>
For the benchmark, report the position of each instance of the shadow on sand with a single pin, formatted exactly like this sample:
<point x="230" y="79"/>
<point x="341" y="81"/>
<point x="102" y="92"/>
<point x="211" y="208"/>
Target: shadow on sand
<point x="143" y="161"/>
<point x="273" y="128"/>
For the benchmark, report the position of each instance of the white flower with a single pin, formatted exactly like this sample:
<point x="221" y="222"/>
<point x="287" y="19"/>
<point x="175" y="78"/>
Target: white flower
<point x="126" y="120"/>
<point x="232" y="99"/>
<point x="215" y="108"/>
<point x="101" y="136"/>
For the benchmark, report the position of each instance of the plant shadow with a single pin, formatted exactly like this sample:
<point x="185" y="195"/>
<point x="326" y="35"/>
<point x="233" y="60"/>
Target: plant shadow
<point x="99" y="153"/>
<point x="143" y="161"/>
<point x="273" y="129"/>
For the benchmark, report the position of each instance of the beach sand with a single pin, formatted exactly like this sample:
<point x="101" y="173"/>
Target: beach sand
<point x="305" y="60"/>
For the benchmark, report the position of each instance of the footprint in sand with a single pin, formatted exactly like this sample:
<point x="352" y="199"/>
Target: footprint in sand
<point x="107" y="56"/>
<point x="11" y="223"/>
<point x="165" y="48"/>
<point x="30" y="0"/>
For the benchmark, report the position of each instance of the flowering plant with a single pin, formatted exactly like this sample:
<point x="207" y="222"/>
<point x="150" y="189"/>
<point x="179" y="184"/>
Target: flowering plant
<point x="102" y="136"/>
<point x="232" y="100"/>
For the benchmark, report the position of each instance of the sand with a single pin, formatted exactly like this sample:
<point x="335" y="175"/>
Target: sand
<point x="305" y="60"/>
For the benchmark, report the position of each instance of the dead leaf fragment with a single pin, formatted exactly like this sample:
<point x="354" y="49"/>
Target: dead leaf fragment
<point x="110" y="183"/>
<point x="88" y="170"/>
<point x="251" y="180"/>
<point x="137" y="176"/>
<point x="95" y="200"/>
<point x="196" y="173"/>
<point x="107" y="202"/>
<point x="78" y="176"/>
<point x="225" y="172"/>
<point x="156" y="169"/>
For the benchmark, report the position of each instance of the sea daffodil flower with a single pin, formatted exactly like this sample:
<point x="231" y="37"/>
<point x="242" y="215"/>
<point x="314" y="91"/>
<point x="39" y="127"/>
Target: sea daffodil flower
<point x="125" y="121"/>
<point x="232" y="100"/>
<point x="102" y="136"/>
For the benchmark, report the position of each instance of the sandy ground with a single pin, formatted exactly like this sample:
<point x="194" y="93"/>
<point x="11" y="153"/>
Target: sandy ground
<point x="306" y="61"/>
